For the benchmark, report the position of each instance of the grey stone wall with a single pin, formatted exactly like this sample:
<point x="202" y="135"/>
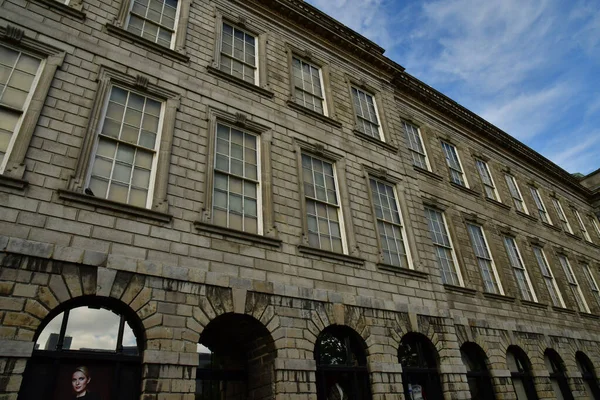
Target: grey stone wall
<point x="178" y="278"/>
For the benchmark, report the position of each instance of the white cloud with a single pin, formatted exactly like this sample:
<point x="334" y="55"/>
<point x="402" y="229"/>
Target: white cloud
<point x="579" y="155"/>
<point x="527" y="115"/>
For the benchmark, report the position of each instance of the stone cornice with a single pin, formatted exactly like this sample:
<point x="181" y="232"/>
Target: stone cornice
<point x="415" y="88"/>
<point x="329" y="29"/>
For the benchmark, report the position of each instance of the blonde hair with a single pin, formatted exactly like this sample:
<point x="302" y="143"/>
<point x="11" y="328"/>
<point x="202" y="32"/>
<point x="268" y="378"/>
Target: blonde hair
<point x="84" y="370"/>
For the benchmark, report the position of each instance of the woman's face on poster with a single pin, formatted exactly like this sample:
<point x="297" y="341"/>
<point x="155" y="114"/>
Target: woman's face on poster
<point x="79" y="382"/>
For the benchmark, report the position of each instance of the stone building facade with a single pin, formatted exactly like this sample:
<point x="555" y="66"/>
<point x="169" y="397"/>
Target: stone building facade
<point x="255" y="177"/>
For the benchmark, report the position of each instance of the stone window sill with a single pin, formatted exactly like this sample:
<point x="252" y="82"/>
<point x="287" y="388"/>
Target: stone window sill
<point x="240" y="82"/>
<point x="525" y="215"/>
<point x="534" y="304"/>
<point x="113" y="205"/>
<point x="564" y="310"/>
<point x="553" y="227"/>
<point x="14" y="183"/>
<point x="497" y="203"/>
<point x="232" y="233"/>
<point x="330" y="254"/>
<point x="589" y="316"/>
<point x="465" y="189"/>
<point x="64" y="9"/>
<point x="428" y="173"/>
<point x="592" y="244"/>
<point x="460" y="289"/>
<point x="572" y="236"/>
<point x="403" y="271"/>
<point x="376" y="141"/>
<point x="501" y="297"/>
<point x="124" y="34"/>
<point x="314" y="114"/>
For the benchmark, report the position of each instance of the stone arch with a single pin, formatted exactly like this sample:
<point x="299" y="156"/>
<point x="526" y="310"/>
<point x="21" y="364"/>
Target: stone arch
<point x="341" y="356"/>
<point x="241" y="358"/>
<point x="74" y="342"/>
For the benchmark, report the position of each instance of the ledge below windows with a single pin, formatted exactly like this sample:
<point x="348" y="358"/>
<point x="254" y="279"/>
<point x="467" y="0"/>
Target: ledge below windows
<point x="376" y="141"/>
<point x="465" y="189"/>
<point x="572" y="236"/>
<point x="525" y="215"/>
<point x="460" y="289"/>
<point x="589" y="316"/>
<point x="113" y="205"/>
<point x="403" y="271"/>
<point x="329" y="254"/>
<point x="64" y="8"/>
<point x="13" y="183"/>
<point x="240" y="82"/>
<point x="501" y="297"/>
<point x="550" y="226"/>
<point x="564" y="310"/>
<point x="124" y="34"/>
<point x="428" y="173"/>
<point x="533" y="304"/>
<point x="497" y="203"/>
<point x="314" y="114"/>
<point x="232" y="233"/>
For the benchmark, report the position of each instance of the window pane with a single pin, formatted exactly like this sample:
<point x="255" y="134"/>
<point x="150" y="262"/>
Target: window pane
<point x="92" y="329"/>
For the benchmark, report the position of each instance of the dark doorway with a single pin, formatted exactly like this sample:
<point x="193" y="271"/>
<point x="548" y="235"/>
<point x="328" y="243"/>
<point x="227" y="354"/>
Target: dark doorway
<point x="588" y="374"/>
<point x="236" y="360"/>
<point x="341" y="365"/>
<point x="478" y="374"/>
<point x="558" y="376"/>
<point x="89" y="346"/>
<point x="520" y="371"/>
<point x="420" y="374"/>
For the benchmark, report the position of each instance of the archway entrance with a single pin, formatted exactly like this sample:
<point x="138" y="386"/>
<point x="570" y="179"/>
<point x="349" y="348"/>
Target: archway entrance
<point x="588" y="374"/>
<point x="520" y="371"/>
<point x="341" y="365"/>
<point x="558" y="375"/>
<point x="88" y="346"/>
<point x="237" y="354"/>
<point x="478" y="374"/>
<point x="419" y="360"/>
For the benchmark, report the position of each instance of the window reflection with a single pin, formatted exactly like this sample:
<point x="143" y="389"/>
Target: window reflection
<point x="86" y="328"/>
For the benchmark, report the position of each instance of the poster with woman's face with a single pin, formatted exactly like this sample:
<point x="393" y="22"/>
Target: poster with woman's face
<point x="84" y="381"/>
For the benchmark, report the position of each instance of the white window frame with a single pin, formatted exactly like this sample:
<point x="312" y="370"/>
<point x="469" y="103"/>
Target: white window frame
<point x="539" y="203"/>
<point x="562" y="217"/>
<point x="404" y="238"/>
<point x="587" y="271"/>
<point x="491" y="259"/>
<point x="573" y="283"/>
<point x="511" y="179"/>
<point x="478" y="162"/>
<point x="594" y="222"/>
<point x="461" y="281"/>
<point x="521" y="265"/>
<point x="25" y="107"/>
<point x="323" y="94"/>
<point x="257" y="43"/>
<point x="175" y="25"/>
<point x="157" y="150"/>
<point x="445" y="145"/>
<point x="377" y="113"/>
<point x="339" y="206"/>
<point x="549" y="279"/>
<point x="406" y="125"/>
<point x="582" y="228"/>
<point x="259" y="184"/>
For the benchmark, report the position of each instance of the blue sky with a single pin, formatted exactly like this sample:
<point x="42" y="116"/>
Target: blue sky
<point x="530" y="67"/>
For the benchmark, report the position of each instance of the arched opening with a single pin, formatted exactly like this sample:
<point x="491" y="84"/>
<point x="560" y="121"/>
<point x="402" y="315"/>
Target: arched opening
<point x="558" y="376"/>
<point x="478" y="374"/>
<point x="588" y="374"/>
<point x="237" y="354"/>
<point x="342" y="372"/>
<point x="89" y="346"/>
<point x="520" y="371"/>
<point x="420" y="373"/>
